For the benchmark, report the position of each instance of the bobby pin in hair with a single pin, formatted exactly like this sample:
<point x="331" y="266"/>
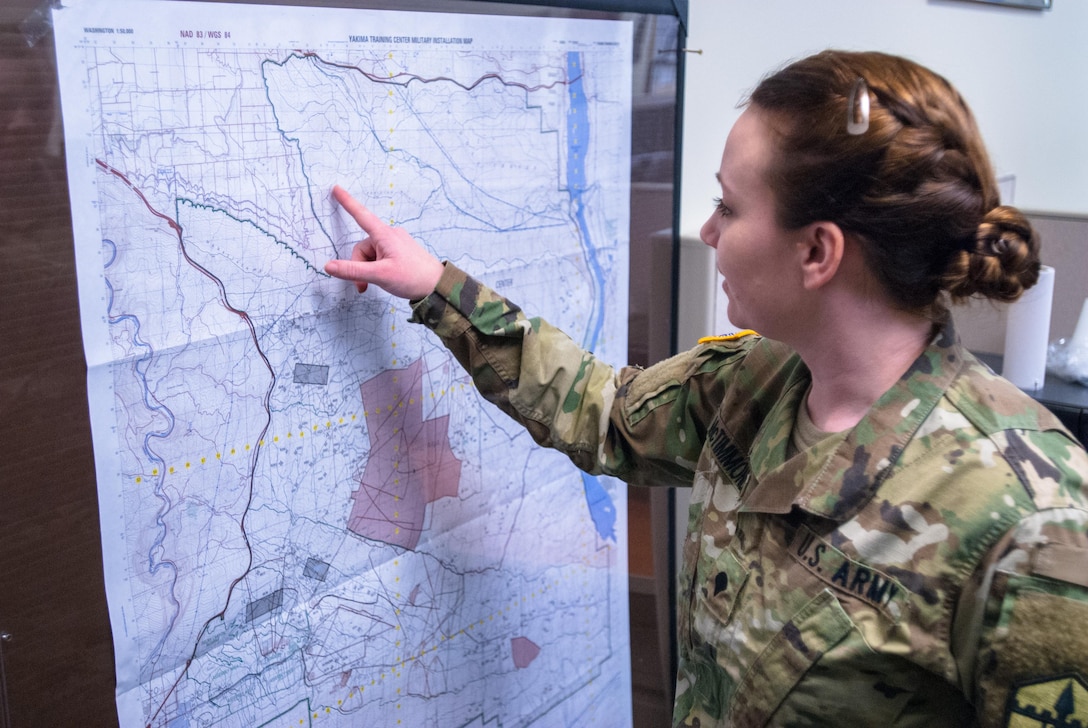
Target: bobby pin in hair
<point x="858" y="123"/>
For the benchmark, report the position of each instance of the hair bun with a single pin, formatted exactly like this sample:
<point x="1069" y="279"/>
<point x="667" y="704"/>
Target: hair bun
<point x="1003" y="230"/>
<point x="1002" y="263"/>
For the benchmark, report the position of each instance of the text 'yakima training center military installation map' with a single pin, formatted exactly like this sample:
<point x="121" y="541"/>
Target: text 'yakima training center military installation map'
<point x="309" y="515"/>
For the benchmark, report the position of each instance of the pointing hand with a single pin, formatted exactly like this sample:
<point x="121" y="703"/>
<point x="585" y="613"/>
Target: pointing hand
<point x="388" y="256"/>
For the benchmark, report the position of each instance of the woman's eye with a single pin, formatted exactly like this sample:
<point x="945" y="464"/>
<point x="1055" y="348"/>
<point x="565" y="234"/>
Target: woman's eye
<point x="721" y="208"/>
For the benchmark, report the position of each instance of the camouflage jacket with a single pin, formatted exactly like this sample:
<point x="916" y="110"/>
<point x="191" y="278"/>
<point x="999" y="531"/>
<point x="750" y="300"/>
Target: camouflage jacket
<point x="927" y="568"/>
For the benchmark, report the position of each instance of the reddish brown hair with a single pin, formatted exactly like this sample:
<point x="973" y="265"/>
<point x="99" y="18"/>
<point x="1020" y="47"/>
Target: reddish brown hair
<point x="916" y="188"/>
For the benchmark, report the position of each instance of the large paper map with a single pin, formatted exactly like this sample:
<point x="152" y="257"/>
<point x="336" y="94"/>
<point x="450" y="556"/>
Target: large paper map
<point x="309" y="516"/>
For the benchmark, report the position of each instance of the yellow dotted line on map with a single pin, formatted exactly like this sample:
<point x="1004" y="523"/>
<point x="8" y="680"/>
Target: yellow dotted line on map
<point x="391" y="111"/>
<point x="393" y="328"/>
<point x="277" y="439"/>
<point x="219" y="456"/>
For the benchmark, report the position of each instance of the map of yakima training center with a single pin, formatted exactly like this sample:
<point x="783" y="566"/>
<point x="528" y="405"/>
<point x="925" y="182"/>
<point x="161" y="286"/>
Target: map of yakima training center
<point x="309" y="515"/>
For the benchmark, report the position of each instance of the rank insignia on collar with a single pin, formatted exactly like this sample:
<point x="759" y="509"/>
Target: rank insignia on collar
<point x="1060" y="701"/>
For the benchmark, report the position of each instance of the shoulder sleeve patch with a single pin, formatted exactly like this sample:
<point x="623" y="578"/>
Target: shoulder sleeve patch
<point x="1059" y="700"/>
<point x="1038" y="656"/>
<point x="655" y="380"/>
<point x="661" y="383"/>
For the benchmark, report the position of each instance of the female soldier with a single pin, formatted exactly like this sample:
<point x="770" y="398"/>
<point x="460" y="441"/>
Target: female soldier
<point x="882" y="531"/>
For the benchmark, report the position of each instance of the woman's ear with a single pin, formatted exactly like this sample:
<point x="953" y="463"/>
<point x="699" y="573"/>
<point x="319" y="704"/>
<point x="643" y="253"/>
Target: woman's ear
<point x="822" y="247"/>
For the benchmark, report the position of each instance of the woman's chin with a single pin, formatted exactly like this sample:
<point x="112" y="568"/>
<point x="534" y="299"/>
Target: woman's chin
<point x="736" y="318"/>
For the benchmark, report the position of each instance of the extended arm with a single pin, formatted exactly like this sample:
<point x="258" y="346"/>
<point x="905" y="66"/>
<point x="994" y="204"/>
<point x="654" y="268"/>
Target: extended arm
<point x="643" y="426"/>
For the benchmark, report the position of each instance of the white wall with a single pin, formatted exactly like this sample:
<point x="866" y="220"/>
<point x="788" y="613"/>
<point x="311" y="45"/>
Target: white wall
<point x="1024" y="73"/>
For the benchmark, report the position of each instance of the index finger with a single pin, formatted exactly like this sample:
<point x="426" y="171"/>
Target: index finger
<point x="368" y="221"/>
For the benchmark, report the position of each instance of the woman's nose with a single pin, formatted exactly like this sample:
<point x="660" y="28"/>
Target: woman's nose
<point x="708" y="233"/>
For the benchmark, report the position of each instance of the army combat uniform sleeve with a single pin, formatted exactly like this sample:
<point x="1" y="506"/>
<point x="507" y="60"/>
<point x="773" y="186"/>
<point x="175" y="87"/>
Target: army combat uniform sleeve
<point x="644" y="426"/>
<point x="1022" y="627"/>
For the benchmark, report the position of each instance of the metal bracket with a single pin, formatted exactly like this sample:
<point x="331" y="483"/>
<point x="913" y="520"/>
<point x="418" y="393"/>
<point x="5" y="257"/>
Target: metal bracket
<point x="5" y="713"/>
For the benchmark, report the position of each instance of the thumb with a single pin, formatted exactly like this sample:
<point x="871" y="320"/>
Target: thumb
<point x="349" y="271"/>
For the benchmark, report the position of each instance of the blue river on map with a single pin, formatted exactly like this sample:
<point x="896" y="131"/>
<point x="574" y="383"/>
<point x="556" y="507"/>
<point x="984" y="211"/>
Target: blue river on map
<point x="601" y="508"/>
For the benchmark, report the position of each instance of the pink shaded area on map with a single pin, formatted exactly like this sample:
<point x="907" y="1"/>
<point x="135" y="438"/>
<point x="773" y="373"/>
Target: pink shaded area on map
<point x="525" y="651"/>
<point x="410" y="463"/>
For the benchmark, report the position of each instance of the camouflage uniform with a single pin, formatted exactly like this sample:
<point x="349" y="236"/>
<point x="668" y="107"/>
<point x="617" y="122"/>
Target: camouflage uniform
<point x="927" y="568"/>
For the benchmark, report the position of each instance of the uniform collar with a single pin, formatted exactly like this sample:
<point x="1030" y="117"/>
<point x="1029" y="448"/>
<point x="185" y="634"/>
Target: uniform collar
<point x="836" y="478"/>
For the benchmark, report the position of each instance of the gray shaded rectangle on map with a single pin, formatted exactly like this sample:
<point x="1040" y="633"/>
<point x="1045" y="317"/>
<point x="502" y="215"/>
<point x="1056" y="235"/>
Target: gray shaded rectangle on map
<point x="316" y="569"/>
<point x="260" y="607"/>
<point x="311" y="374"/>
